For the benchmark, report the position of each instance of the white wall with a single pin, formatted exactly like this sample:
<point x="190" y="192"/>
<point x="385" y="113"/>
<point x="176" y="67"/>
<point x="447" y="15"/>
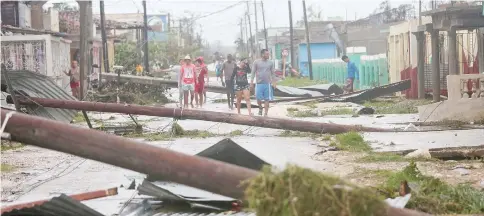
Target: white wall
<point x="25" y="20"/>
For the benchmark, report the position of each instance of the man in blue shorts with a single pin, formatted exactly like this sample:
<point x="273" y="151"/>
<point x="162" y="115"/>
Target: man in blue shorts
<point x="264" y="71"/>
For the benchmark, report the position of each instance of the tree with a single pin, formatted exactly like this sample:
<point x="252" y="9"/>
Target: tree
<point x="65" y="7"/>
<point x="240" y="45"/>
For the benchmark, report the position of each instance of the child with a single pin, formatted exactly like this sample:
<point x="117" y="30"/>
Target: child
<point x="202" y="73"/>
<point x="188" y="80"/>
<point x="242" y="87"/>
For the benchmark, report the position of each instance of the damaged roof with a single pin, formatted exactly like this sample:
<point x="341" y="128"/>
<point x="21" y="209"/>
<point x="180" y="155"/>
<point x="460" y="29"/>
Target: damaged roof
<point x="62" y="205"/>
<point x="38" y="85"/>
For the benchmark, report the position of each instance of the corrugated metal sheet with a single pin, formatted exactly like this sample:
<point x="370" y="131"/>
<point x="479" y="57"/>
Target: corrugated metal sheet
<point x="62" y="205"/>
<point x="326" y="89"/>
<point x="372" y="93"/>
<point x="38" y="85"/>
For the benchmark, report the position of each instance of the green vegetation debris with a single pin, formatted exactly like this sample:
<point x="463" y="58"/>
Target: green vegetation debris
<point x="292" y="109"/>
<point x="351" y="141"/>
<point x="311" y="104"/>
<point x="78" y="118"/>
<point x="299" y="82"/>
<point x="434" y="196"/>
<point x="220" y="101"/>
<point x="396" y="107"/>
<point x="7" y="145"/>
<point x="300" y="191"/>
<point x="131" y="93"/>
<point x="236" y="133"/>
<point x="389" y="157"/>
<point x="7" y="167"/>
<point x="314" y="113"/>
<point x="289" y="133"/>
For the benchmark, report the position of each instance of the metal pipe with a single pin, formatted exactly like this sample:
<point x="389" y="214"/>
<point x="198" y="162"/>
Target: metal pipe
<point x="194" y="171"/>
<point x="79" y="197"/>
<point x="275" y="123"/>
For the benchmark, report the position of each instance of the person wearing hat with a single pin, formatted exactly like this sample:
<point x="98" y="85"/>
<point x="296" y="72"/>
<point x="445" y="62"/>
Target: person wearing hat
<point x="188" y="80"/>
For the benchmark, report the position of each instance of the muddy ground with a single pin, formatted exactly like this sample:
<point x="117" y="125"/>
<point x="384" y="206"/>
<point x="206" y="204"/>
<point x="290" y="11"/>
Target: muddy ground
<point x="34" y="173"/>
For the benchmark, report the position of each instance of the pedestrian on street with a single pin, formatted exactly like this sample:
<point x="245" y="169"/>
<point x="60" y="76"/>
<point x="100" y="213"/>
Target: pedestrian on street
<point x="242" y="87"/>
<point x="177" y="70"/>
<point x="188" y="80"/>
<point x="351" y="74"/>
<point x="227" y="71"/>
<point x="202" y="74"/>
<point x="263" y="69"/>
<point x="218" y="70"/>
<point x="75" y="77"/>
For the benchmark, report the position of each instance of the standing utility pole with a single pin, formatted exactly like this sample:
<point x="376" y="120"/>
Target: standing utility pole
<point x="264" y="21"/>
<point x="247" y="36"/>
<point x="145" y="35"/>
<point x="241" y="36"/>
<point x="83" y="46"/>
<point x="256" y="28"/>
<point x="420" y="12"/>
<point x="291" y="36"/>
<point x="250" y="30"/>
<point x="308" y="45"/>
<point x="105" y="43"/>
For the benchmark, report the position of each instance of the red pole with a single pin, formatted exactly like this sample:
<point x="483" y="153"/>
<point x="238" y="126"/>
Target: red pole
<point x="78" y="197"/>
<point x="276" y="123"/>
<point x="194" y="171"/>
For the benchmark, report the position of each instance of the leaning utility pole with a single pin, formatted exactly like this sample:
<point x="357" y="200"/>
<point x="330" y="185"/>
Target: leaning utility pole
<point x="104" y="40"/>
<point x="291" y="36"/>
<point x="145" y="35"/>
<point x="264" y="21"/>
<point x="308" y="45"/>
<point x="256" y="28"/>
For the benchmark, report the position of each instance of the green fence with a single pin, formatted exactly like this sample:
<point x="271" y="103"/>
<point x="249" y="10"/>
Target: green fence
<point x="373" y="70"/>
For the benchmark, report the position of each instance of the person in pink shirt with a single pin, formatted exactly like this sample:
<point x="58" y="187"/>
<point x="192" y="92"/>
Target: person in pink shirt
<point x="188" y="80"/>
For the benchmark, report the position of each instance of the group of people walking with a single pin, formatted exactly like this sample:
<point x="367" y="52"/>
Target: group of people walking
<point x="235" y="77"/>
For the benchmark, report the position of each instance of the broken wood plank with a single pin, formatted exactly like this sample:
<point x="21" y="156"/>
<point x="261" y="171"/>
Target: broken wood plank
<point x="194" y="171"/>
<point x="450" y="153"/>
<point x="231" y="118"/>
<point x="79" y="197"/>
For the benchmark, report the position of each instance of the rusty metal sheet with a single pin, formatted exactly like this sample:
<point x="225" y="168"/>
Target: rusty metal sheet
<point x="62" y="205"/>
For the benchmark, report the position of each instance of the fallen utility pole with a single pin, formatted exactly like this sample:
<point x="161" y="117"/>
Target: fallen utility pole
<point x="203" y="173"/>
<point x="79" y="197"/>
<point x="275" y="123"/>
<point x="451" y="153"/>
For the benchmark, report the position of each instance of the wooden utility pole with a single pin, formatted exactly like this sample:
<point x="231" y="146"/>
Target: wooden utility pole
<point x="256" y="28"/>
<point x="241" y="35"/>
<point x="105" y="43"/>
<point x="83" y="46"/>
<point x="247" y="36"/>
<point x="264" y="22"/>
<point x="308" y="43"/>
<point x="145" y="37"/>
<point x="250" y="30"/>
<point x="275" y="123"/>
<point x="420" y="12"/>
<point x="291" y="37"/>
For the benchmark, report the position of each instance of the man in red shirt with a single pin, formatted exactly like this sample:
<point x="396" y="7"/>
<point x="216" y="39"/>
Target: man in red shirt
<point x="202" y="73"/>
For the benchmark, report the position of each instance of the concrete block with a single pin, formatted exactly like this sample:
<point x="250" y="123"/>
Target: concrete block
<point x="467" y="110"/>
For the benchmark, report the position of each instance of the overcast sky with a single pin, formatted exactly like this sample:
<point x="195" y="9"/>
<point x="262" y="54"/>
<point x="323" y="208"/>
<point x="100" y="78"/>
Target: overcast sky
<point x="224" y="26"/>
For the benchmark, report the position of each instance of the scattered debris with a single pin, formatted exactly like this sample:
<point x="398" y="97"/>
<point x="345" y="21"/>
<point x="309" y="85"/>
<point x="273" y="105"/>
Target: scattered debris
<point x="419" y="153"/>
<point x="365" y="111"/>
<point x="351" y="141"/>
<point x="451" y="153"/>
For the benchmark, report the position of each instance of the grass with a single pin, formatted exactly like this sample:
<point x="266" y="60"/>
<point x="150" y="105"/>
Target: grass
<point x="78" y="118"/>
<point x="220" y="101"/>
<point x="294" y="112"/>
<point x="9" y="145"/>
<point x="178" y="132"/>
<point x="434" y="196"/>
<point x="299" y="82"/>
<point x="7" y="167"/>
<point x="396" y="107"/>
<point x="311" y="104"/>
<point x="351" y="141"/>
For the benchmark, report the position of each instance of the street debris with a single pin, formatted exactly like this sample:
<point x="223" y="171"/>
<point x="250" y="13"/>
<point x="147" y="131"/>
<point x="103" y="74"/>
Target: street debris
<point x="449" y="153"/>
<point x="41" y="207"/>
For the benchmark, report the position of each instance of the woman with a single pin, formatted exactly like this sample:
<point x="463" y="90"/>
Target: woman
<point x="241" y="83"/>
